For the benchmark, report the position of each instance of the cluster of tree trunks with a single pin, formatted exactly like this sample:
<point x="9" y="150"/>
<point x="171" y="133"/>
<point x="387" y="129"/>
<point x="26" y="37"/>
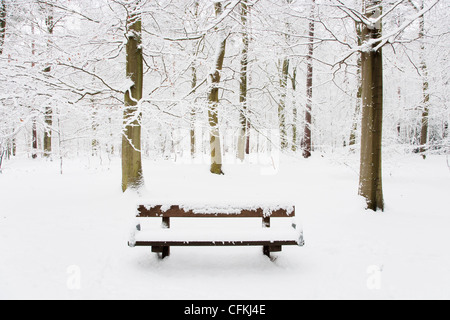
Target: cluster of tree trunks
<point x="369" y="94"/>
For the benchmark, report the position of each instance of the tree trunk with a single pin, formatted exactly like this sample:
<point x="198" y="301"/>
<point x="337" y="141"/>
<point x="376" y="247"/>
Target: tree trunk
<point x="282" y="104"/>
<point x="307" y="138"/>
<point x="244" y="133"/>
<point x="425" y="87"/>
<point x="193" y="86"/>
<point x="2" y="25"/>
<point x="372" y="117"/>
<point x="48" y="115"/>
<point x="216" y="150"/>
<point x="132" y="174"/>
<point x="34" y="139"/>
<point x="48" y="119"/>
<point x="193" y="114"/>
<point x="445" y="131"/>
<point x="94" y="143"/>
<point x="34" y="135"/>
<point x="13" y="147"/>
<point x="399" y="123"/>
<point x="294" y="112"/>
<point x="352" y="140"/>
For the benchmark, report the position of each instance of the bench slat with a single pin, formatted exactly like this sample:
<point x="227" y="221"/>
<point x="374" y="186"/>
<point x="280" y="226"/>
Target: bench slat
<point x="178" y="212"/>
<point x="213" y="243"/>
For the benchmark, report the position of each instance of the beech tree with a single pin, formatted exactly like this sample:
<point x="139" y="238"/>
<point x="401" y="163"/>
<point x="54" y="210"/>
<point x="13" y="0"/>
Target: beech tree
<point x="373" y="41"/>
<point x="132" y="174"/>
<point x="215" y="76"/>
<point x="372" y="115"/>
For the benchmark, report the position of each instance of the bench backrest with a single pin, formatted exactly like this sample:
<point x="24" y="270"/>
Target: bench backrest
<point x="179" y="212"/>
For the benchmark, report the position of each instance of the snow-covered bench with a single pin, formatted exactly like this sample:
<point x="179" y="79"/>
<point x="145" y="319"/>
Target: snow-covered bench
<point x="240" y="233"/>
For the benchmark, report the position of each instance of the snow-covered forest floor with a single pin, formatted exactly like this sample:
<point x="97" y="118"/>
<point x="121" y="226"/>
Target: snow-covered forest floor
<point x="65" y="236"/>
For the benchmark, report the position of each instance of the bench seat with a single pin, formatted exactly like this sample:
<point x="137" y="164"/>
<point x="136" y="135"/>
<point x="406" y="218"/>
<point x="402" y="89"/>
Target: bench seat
<point x="199" y="237"/>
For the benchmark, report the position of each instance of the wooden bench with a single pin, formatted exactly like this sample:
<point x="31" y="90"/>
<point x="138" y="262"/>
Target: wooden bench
<point x="161" y="241"/>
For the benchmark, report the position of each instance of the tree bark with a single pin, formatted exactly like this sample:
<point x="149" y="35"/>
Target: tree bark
<point x="372" y="115"/>
<point x="215" y="76"/>
<point x="132" y="173"/>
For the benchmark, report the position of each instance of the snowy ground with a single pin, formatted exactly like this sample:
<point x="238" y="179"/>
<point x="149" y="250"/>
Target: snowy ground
<point x="65" y="237"/>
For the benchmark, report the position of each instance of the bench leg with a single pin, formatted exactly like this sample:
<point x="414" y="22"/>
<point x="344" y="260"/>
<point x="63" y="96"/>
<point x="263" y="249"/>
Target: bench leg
<point x="266" y="251"/>
<point x="164" y="251"/>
